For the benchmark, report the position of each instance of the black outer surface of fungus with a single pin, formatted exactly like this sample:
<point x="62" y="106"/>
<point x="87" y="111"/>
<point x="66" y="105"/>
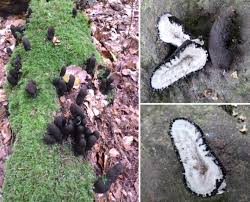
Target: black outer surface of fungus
<point x="48" y="139"/>
<point x="60" y="85"/>
<point x="54" y="131"/>
<point x="13" y="81"/>
<point x="114" y="172"/>
<point x="177" y="53"/>
<point x="103" y="185"/>
<point x="74" y="12"/>
<point x="9" y="51"/>
<point x="26" y="44"/>
<point x="90" y="65"/>
<point x="100" y="187"/>
<point x="81" y="95"/>
<point x="71" y="82"/>
<point x="216" y="160"/>
<point x="76" y="111"/>
<point x="50" y="33"/>
<point x="17" y="62"/>
<point x="31" y="88"/>
<point x="60" y="122"/>
<point x="91" y="141"/>
<point x="63" y="71"/>
<point x="220" y="37"/>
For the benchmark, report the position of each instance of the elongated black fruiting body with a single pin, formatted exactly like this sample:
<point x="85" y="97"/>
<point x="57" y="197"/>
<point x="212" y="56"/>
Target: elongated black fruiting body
<point x="76" y="111"/>
<point x="91" y="141"/>
<point x="60" y="85"/>
<point x="29" y="12"/>
<point x="13" y="31"/>
<point x="54" y="131"/>
<point x="101" y="186"/>
<point x="48" y="139"/>
<point x="17" y="62"/>
<point x="15" y="73"/>
<point x="114" y="172"/>
<point x="74" y="12"/>
<point x="81" y="95"/>
<point x="71" y="82"/>
<point x="80" y="130"/>
<point x="90" y="65"/>
<point x="68" y="129"/>
<point x="96" y="134"/>
<point x="9" y="51"/>
<point x="31" y="88"/>
<point x="63" y="71"/>
<point x="79" y="146"/>
<point x="220" y="37"/>
<point x="50" y="33"/>
<point x="26" y="44"/>
<point x="60" y="122"/>
<point x="87" y="132"/>
<point x="13" y="81"/>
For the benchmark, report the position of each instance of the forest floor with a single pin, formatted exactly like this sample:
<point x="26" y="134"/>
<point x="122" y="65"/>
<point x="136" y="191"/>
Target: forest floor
<point x="115" y="33"/>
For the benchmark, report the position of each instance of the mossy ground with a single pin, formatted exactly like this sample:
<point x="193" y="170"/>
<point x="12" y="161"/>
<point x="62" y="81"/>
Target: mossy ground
<point x="36" y="172"/>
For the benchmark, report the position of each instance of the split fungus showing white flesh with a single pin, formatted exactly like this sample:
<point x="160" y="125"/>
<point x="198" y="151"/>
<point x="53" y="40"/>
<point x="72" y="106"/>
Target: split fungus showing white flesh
<point x="203" y="173"/>
<point x="190" y="57"/>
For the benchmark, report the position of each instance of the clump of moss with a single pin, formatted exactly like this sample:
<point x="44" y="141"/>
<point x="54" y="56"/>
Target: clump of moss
<point x="36" y="172"/>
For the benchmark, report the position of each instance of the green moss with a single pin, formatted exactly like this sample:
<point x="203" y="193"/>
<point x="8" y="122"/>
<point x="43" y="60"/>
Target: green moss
<point x="36" y="172"/>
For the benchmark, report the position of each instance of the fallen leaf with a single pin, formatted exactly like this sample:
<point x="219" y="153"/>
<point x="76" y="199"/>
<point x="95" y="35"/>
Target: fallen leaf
<point x="56" y="41"/>
<point x="244" y="129"/>
<point x="6" y="133"/>
<point x="242" y="118"/>
<point x="234" y="75"/>
<point x="235" y="113"/>
<point x="113" y="153"/>
<point x="127" y="141"/>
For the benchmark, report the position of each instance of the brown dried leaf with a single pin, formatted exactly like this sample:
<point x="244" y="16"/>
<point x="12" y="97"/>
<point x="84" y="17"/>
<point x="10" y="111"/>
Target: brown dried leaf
<point x="113" y="153"/>
<point x="6" y="133"/>
<point x="244" y="129"/>
<point x="242" y="118"/>
<point x="234" y="75"/>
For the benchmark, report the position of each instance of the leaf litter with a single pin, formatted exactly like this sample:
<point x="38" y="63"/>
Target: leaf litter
<point x="115" y="32"/>
<point x="6" y="137"/>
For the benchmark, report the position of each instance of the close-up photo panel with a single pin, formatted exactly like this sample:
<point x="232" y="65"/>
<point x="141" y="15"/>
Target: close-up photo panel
<point x="195" y="51"/>
<point x="124" y="100"/>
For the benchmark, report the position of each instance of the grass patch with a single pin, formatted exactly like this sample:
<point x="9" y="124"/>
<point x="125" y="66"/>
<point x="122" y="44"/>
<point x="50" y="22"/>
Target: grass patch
<point x="36" y="172"/>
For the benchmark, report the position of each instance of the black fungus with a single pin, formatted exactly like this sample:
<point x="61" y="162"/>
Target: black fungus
<point x="81" y="95"/>
<point x="13" y="81"/>
<point x="9" y="51"/>
<point x="31" y="88"/>
<point x="63" y="71"/>
<point x="60" y="85"/>
<point x="50" y="33"/>
<point x="26" y="44"/>
<point x="76" y="111"/>
<point x="54" y="131"/>
<point x="48" y="139"/>
<point x="74" y="12"/>
<point x="71" y="82"/>
<point x="90" y="65"/>
<point x="220" y="38"/>
<point x="60" y="122"/>
<point x="91" y="141"/>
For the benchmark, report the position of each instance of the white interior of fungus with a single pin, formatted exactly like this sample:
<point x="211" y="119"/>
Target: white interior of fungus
<point x="189" y="60"/>
<point x="171" y="32"/>
<point x="201" y="172"/>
